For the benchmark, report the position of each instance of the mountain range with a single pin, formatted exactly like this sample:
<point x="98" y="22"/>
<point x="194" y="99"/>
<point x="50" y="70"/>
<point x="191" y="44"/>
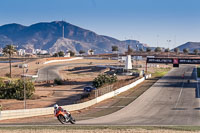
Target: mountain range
<point x="191" y="46"/>
<point x="49" y="36"/>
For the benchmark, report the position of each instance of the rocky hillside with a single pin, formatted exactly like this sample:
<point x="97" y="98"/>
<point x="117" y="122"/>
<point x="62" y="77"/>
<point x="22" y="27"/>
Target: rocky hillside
<point x="190" y="45"/>
<point x="48" y="36"/>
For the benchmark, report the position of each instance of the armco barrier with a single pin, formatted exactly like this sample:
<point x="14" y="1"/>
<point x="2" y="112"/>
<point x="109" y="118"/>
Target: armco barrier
<point x="12" y="114"/>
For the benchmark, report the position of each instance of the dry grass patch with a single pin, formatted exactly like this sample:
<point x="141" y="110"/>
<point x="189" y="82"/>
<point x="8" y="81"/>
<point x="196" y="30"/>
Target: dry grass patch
<point x="92" y="131"/>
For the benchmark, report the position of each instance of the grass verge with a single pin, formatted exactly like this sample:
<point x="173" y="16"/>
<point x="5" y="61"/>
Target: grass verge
<point x="114" y="128"/>
<point x="161" y="72"/>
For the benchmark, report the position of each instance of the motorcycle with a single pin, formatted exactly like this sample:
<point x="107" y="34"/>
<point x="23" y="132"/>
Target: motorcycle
<point x="65" y="117"/>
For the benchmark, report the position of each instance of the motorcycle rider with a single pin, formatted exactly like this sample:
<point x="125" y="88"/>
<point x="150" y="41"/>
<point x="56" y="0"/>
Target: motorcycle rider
<point x="58" y="108"/>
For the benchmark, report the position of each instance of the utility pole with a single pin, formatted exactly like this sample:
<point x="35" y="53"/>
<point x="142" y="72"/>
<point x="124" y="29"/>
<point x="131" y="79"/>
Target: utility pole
<point x="168" y="47"/>
<point x="24" y="84"/>
<point x="47" y="76"/>
<point x="137" y="55"/>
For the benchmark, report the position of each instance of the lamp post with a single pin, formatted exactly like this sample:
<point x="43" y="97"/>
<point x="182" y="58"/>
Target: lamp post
<point x="168" y="47"/>
<point x="24" y="84"/>
<point x="136" y="55"/>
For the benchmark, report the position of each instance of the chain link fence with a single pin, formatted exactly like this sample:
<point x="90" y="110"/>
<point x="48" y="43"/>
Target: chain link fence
<point x="103" y="90"/>
<point x="109" y="88"/>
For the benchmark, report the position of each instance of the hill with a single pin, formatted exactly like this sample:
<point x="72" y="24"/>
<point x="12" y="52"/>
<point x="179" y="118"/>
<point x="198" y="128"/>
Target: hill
<point x="48" y="36"/>
<point x="190" y="45"/>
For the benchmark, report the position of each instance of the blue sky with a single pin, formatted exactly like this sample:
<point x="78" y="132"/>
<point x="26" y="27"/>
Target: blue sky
<point x="150" y="21"/>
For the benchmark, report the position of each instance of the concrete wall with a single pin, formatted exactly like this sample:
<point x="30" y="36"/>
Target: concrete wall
<point x="80" y="106"/>
<point x="105" y="96"/>
<point x="127" y="87"/>
<point x="12" y="114"/>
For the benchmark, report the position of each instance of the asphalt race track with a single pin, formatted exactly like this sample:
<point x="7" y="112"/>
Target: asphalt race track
<point x="51" y="72"/>
<point x="170" y="101"/>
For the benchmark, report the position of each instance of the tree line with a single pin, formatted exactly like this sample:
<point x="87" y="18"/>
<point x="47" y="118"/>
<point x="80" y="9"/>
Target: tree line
<point x="157" y="49"/>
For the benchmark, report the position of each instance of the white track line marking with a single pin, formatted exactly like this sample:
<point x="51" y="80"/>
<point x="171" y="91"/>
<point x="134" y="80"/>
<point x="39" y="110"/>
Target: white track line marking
<point x="179" y="94"/>
<point x="197" y="83"/>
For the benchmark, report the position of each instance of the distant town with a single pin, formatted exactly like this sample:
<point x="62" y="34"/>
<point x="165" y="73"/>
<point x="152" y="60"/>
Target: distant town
<point x="31" y="52"/>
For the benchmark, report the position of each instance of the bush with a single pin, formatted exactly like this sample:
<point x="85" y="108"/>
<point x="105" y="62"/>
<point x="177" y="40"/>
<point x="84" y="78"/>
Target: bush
<point x="71" y="53"/>
<point x="85" y="95"/>
<point x="7" y="74"/>
<point x="15" y="89"/>
<point x="61" y="54"/>
<point x="58" y="81"/>
<point x="55" y="55"/>
<point x="103" y="79"/>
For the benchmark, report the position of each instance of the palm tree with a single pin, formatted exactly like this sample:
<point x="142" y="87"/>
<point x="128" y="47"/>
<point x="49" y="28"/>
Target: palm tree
<point x="130" y="50"/>
<point x="158" y="49"/>
<point x="9" y="50"/>
<point x="114" y="48"/>
<point x="148" y="49"/>
<point x="167" y="50"/>
<point x="185" y="51"/>
<point x="81" y="52"/>
<point x="176" y="50"/>
<point x="61" y="54"/>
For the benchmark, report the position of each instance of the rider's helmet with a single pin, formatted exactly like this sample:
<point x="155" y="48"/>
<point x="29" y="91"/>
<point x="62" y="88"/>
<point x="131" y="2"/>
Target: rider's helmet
<point x="55" y="106"/>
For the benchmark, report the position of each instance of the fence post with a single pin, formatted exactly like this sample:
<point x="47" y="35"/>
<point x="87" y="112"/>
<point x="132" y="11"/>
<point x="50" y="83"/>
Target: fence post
<point x="0" y="110"/>
<point x="96" y="93"/>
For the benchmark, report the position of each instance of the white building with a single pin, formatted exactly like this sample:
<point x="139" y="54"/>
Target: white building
<point x="39" y="51"/>
<point x="67" y="54"/>
<point x="90" y="52"/>
<point x="21" y="52"/>
<point x="1" y="51"/>
<point x="44" y="52"/>
<point x="30" y="51"/>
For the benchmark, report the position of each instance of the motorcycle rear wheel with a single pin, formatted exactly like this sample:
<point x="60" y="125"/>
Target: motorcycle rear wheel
<point x="62" y="119"/>
<point x="72" y="120"/>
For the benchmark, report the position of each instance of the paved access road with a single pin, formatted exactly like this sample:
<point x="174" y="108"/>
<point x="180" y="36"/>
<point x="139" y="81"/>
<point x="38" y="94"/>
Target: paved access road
<point x="170" y="101"/>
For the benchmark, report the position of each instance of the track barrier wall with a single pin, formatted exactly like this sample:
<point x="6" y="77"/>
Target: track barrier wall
<point x="13" y="114"/>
